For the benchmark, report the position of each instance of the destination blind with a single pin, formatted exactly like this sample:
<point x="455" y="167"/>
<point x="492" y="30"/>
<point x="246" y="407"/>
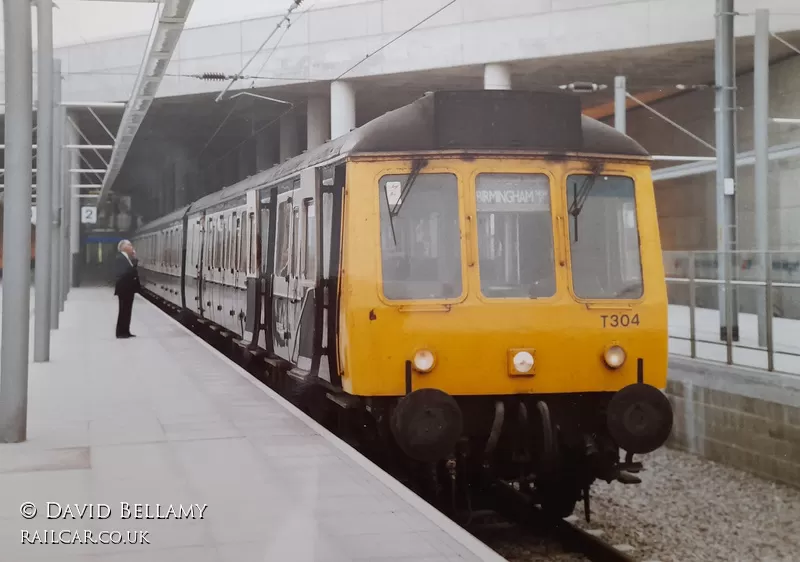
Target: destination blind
<point x="513" y="192"/>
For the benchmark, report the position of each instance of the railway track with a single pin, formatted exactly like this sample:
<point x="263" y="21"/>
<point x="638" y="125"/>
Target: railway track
<point x="520" y="509"/>
<point x="510" y="505"/>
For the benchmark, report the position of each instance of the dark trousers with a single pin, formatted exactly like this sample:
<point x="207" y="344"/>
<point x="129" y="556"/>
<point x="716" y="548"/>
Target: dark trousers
<point x="124" y="315"/>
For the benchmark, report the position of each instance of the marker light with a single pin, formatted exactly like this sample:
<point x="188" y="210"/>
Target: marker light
<point x="424" y="361"/>
<point x="614" y="357"/>
<point x="523" y="362"/>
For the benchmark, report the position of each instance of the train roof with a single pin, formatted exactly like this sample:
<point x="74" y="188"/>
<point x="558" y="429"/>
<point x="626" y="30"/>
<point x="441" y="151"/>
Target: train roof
<point x="469" y="121"/>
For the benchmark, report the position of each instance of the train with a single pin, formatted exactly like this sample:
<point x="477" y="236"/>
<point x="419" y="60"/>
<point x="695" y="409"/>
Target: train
<point x="473" y="282"/>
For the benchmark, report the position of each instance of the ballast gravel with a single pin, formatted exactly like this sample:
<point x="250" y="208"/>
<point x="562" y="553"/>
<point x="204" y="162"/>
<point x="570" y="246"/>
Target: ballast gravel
<point x="691" y="509"/>
<point x="686" y="509"/>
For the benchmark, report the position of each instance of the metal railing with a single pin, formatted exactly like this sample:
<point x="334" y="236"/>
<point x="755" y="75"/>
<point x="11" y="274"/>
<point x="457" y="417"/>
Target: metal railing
<point x="729" y="276"/>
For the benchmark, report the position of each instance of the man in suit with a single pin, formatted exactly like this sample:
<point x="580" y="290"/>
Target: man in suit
<point x="126" y="286"/>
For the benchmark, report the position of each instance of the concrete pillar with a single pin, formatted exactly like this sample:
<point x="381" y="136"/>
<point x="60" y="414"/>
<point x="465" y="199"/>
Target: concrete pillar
<point x="181" y="169"/>
<point x="497" y="77"/>
<point x="45" y="187"/>
<point x="73" y="210"/>
<point x="245" y="160"/>
<point x="343" y="108"/>
<point x="264" y="158"/>
<point x="318" y="121"/>
<point x="620" y="103"/>
<point x="289" y="144"/>
<point x="16" y="223"/>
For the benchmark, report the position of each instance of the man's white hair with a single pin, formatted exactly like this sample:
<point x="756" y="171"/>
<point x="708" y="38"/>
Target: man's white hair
<point x="122" y="244"/>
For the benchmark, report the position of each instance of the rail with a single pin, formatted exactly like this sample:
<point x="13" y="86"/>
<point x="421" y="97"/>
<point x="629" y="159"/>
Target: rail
<point x="729" y="275"/>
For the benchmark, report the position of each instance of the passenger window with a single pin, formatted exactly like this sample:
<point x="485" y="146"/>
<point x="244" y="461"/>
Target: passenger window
<point x="420" y="237"/>
<point x="265" y="227"/>
<point x="226" y="242"/>
<point x="310" y="253"/>
<point x="218" y="247"/>
<point x="213" y="246"/>
<point x="515" y="236"/>
<point x="241" y="241"/>
<point x="282" y="246"/>
<point x="251" y="221"/>
<point x="232" y="233"/>
<point x="209" y="235"/>
<point x="327" y="226"/>
<point x="295" y="239"/>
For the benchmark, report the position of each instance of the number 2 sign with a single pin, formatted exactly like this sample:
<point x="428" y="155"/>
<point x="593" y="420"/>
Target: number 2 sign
<point x="89" y="215"/>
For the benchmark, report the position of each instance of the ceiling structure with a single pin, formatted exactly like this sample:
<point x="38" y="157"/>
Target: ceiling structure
<point x="163" y="41"/>
<point x="208" y="132"/>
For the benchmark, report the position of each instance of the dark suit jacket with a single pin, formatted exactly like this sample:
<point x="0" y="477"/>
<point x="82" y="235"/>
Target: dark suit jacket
<point x="127" y="276"/>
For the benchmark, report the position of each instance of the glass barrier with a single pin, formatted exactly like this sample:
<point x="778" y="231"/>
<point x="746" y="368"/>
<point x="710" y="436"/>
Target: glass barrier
<point x="704" y="288"/>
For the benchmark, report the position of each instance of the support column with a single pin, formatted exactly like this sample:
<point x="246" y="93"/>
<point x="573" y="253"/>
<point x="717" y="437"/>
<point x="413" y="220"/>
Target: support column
<point x="16" y="222"/>
<point x="57" y="198"/>
<point x="73" y="243"/>
<point x="264" y="158"/>
<point x="70" y="239"/>
<point x="620" y="103"/>
<point x="725" y="79"/>
<point x="244" y="159"/>
<point x="496" y="77"/>
<point x="318" y="120"/>
<point x="289" y="145"/>
<point x="343" y="109"/>
<point x="761" y="146"/>
<point x="44" y="182"/>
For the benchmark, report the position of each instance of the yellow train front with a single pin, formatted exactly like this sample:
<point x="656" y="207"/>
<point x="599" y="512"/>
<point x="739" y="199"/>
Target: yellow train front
<point x="502" y="304"/>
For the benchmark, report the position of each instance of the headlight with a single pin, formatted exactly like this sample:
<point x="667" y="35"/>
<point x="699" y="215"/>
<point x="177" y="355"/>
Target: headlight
<point x="523" y="362"/>
<point x="614" y="356"/>
<point x="424" y="360"/>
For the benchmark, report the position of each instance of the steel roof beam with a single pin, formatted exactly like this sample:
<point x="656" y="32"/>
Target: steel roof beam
<point x="161" y="46"/>
<point x="780" y="152"/>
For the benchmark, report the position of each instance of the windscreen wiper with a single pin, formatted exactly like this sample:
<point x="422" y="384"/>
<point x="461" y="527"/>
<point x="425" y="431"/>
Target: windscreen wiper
<point x="583" y="193"/>
<point x="394" y="210"/>
<point x="416" y="168"/>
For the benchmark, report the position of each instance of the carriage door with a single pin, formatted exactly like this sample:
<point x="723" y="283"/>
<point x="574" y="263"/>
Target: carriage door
<point x="199" y="236"/>
<point x="290" y="281"/>
<point x="284" y="277"/>
<point x="303" y="344"/>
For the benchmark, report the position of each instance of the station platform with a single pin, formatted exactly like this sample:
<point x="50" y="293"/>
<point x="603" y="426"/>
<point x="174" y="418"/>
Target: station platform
<point x="165" y="420"/>
<point x="746" y="352"/>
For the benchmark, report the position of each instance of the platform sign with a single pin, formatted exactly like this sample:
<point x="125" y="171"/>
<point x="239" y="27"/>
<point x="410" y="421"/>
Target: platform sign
<point x="88" y="215"/>
<point x="33" y="214"/>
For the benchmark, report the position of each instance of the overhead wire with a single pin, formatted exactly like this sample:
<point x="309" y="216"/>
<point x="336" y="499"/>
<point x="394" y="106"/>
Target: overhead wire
<point x="280" y="39"/>
<point x="350" y="69"/>
<point x="406" y="32"/>
<point x="294" y="5"/>
<point x="235" y="105"/>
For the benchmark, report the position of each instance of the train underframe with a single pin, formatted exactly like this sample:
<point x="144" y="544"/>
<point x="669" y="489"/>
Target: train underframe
<point x="549" y="447"/>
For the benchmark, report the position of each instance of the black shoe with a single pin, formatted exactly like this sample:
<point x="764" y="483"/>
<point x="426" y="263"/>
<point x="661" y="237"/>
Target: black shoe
<point x="125" y="336"/>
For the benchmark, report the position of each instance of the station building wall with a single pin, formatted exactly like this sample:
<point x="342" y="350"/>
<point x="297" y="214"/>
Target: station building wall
<point x="686" y="206"/>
